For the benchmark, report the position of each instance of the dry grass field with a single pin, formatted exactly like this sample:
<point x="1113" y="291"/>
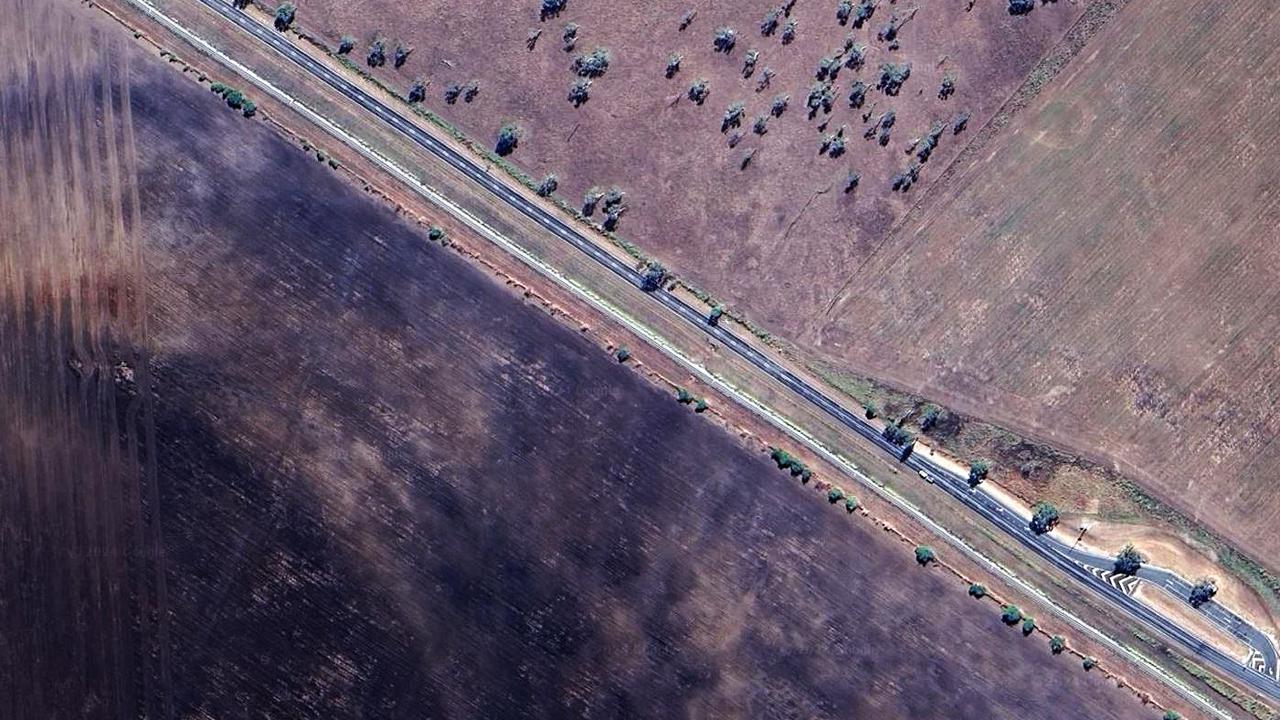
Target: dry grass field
<point x="377" y="485"/>
<point x="1105" y="275"/>
<point x="773" y="238"/>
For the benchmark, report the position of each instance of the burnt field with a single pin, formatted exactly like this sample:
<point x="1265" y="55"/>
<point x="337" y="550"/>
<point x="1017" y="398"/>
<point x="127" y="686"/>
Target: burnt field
<point x="775" y="238"/>
<point x="370" y="482"/>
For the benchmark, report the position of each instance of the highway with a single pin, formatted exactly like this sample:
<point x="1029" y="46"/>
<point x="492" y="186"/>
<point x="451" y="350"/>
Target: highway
<point x="1070" y="561"/>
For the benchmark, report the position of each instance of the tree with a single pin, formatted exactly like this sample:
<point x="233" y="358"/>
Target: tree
<point x="1028" y="625"/>
<point x="749" y="62"/>
<point x="863" y="12"/>
<point x="687" y="19"/>
<point x="531" y="40"/>
<point x="769" y="25"/>
<point x="418" y="91"/>
<point x="285" y="14"/>
<point x="551" y="8"/>
<point x="732" y="116"/>
<point x="761" y="125"/>
<point x="850" y="504"/>
<point x="1021" y="7"/>
<point x="1057" y="644"/>
<point x="843" y="10"/>
<point x="1010" y="614"/>
<point x="978" y="470"/>
<point x="400" y="56"/>
<point x="653" y="277"/>
<point x="569" y="37"/>
<point x="699" y="90"/>
<point x="590" y="199"/>
<point x="897" y="435"/>
<point x="959" y="123"/>
<point x="673" y="65"/>
<point x="623" y="354"/>
<point x="1171" y="715"/>
<point x="779" y="105"/>
<point x="903" y="181"/>
<point x="929" y="418"/>
<point x="451" y="93"/>
<point x="548" y="185"/>
<point x="766" y="75"/>
<point x="700" y="405"/>
<point x="947" y="87"/>
<point x="1089" y="663"/>
<point x="683" y="396"/>
<point x="781" y="457"/>
<point x="869" y="410"/>
<point x="593" y="64"/>
<point x="892" y="77"/>
<point x="508" y="139"/>
<point x="977" y="591"/>
<point x="579" y="91"/>
<point x="470" y="90"/>
<point x="1203" y="591"/>
<point x="377" y="56"/>
<point x="835" y="495"/>
<point x="1044" y="517"/>
<point x="234" y="98"/>
<point x="713" y="317"/>
<point x="827" y="67"/>
<point x="436" y="233"/>
<point x="1128" y="560"/>
<point x="346" y="44"/>
<point x="789" y="32"/>
<point x="835" y="143"/>
<point x="725" y="39"/>
<point x="857" y="94"/>
<point x="851" y="182"/>
<point x="924" y="555"/>
<point x="819" y="98"/>
<point x="855" y="57"/>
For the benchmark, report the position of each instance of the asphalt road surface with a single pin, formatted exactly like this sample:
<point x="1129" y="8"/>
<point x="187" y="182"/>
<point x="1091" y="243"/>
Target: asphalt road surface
<point x="1071" y="562"/>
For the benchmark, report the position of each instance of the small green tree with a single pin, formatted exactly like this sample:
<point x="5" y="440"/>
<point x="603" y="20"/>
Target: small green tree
<point x="713" y="318"/>
<point x="929" y="418"/>
<point x="1168" y="714"/>
<point x="654" y="274"/>
<point x="977" y="591"/>
<point x="850" y="504"/>
<point x="978" y="470"/>
<point x="436" y="233"/>
<point x="1022" y="7"/>
<point x="1057" y="644"/>
<point x="622" y="354"/>
<point x="683" y="396"/>
<point x="835" y="495"/>
<point x="346" y="45"/>
<point x="508" y="139"/>
<point x="569" y="37"/>
<point x="1128" y="560"/>
<point x="869" y="410"/>
<point x="285" y="14"/>
<point x="1203" y="591"/>
<point x="1028" y="625"/>
<point x="700" y="405"/>
<point x="548" y="185"/>
<point x="1010" y="614"/>
<point x="1044" y="516"/>
<point x="1089" y="663"/>
<point x="924" y="555"/>
<point x="249" y="109"/>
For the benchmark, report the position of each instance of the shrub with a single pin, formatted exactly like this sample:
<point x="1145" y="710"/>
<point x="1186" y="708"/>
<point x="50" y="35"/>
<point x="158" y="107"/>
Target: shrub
<point x="1089" y="663"/>
<point x="508" y="139"/>
<point x="947" y="87"/>
<point x="579" y="91"/>
<point x="1057" y="644"/>
<point x="687" y="19"/>
<point x="1028" y="625"/>
<point x="699" y="90"/>
<point x="673" y="65"/>
<point x="929" y="418"/>
<point x="850" y="504"/>
<point x="835" y="495"/>
<point x="1203" y="591"/>
<point x="892" y="77"/>
<point x="749" y="62"/>
<point x="470" y="90"/>
<point x="653" y="277"/>
<point x="1021" y="7"/>
<point x="548" y="185"/>
<point x="725" y="39"/>
<point x="924" y="555"/>
<point x="435" y="233"/>
<point x="779" y="105"/>
<point x="761" y="125"/>
<point x="765" y="76"/>
<point x="285" y="14"/>
<point x="551" y="8"/>
<point x="978" y="470"/>
<point x="1044" y="517"/>
<point x="592" y="65"/>
<point x="531" y="40"/>
<point x="248" y="109"/>
<point x="400" y="56"/>
<point x="732" y="116"/>
<point x="622" y="354"/>
<point x="1010" y="614"/>
<point x="377" y="56"/>
<point x="569" y="37"/>
<point x="977" y="591"/>
<point x="769" y="25"/>
<point x="346" y="44"/>
<point x="959" y="123"/>
<point x="789" y="32"/>
<point x="1128" y="560"/>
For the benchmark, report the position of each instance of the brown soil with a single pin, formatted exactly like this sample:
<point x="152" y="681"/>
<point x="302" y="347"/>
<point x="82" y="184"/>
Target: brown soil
<point x="1109" y="273"/>
<point x="385" y="488"/>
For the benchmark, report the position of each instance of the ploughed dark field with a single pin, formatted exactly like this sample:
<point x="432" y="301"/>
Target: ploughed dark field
<point x="359" y="479"/>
